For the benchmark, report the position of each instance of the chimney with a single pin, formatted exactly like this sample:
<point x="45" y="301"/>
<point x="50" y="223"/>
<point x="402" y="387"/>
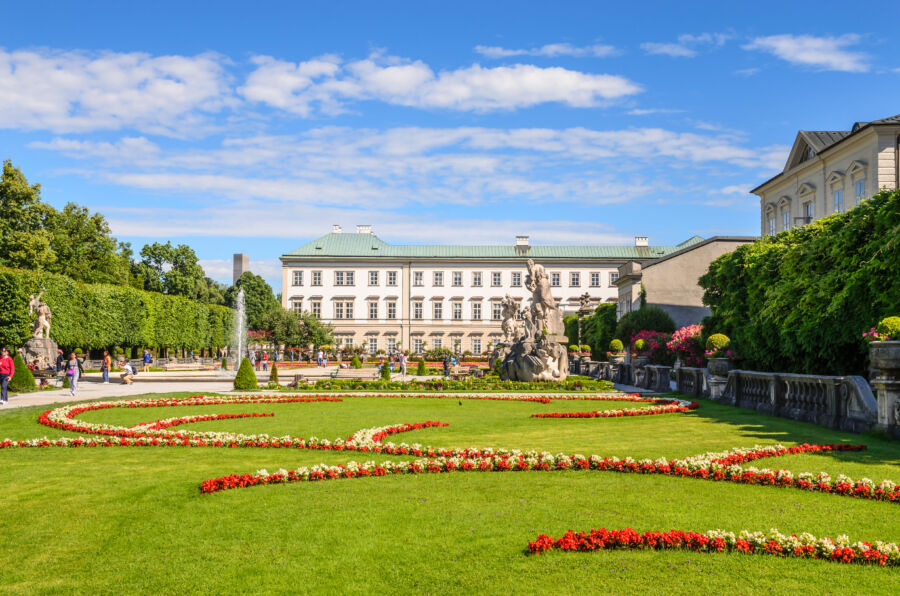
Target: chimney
<point x="641" y="241"/>
<point x="521" y="240"/>
<point x="335" y="229"/>
<point x="363" y="229"/>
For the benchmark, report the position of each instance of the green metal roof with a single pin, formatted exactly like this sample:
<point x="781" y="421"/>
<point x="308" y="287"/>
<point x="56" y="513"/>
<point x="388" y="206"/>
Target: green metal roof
<point x="370" y="246"/>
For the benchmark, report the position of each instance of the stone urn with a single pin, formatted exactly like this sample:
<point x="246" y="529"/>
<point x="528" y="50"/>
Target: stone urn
<point x="720" y="367"/>
<point x="617" y="358"/>
<point x="885" y="355"/>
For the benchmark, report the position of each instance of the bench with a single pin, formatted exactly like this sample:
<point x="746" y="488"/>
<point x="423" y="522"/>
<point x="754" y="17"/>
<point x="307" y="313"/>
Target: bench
<point x="355" y="373"/>
<point x="168" y="367"/>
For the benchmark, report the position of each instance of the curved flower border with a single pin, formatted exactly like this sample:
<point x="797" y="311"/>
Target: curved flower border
<point x="668" y="406"/>
<point x="804" y="546"/>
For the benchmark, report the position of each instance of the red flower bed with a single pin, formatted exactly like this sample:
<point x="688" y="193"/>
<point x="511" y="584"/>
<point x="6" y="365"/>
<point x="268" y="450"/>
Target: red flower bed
<point x="669" y="406"/>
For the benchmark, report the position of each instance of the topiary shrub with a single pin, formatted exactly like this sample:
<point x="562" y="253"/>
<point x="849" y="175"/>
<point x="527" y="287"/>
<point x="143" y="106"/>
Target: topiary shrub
<point x="354" y="362"/>
<point x="573" y="348"/>
<point x="616" y="346"/>
<point x="586" y="349"/>
<point x="640" y="345"/>
<point x="386" y="372"/>
<point x="224" y="364"/>
<point x="23" y="380"/>
<point x="78" y="352"/>
<point x="889" y="326"/>
<point x="717" y="341"/>
<point x="245" y="379"/>
<point x="420" y="367"/>
<point x="650" y="318"/>
<point x="273" y="376"/>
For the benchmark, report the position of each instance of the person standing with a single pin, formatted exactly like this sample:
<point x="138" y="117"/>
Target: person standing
<point x="60" y="361"/>
<point x="73" y="372"/>
<point x="446" y="365"/>
<point x="146" y="359"/>
<point x="265" y="360"/>
<point x="104" y="367"/>
<point x="319" y="358"/>
<point x="402" y="358"/>
<point x="7" y="370"/>
<point x="127" y="376"/>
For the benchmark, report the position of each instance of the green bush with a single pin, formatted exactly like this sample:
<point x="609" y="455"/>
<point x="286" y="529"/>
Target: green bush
<point x="586" y="348"/>
<point x="23" y="380"/>
<point x="224" y="364"/>
<point x="79" y="352"/>
<point x="487" y="383"/>
<point x="649" y="318"/>
<point x="420" y="367"/>
<point x="273" y="375"/>
<point x="599" y="329"/>
<point x="640" y="345"/>
<point x="717" y="341"/>
<point x="573" y="348"/>
<point x="798" y="301"/>
<point x="570" y="326"/>
<point x="889" y="326"/>
<point x="616" y="346"/>
<point x="386" y="371"/>
<point x="355" y="362"/>
<point x="437" y="354"/>
<point x="245" y="379"/>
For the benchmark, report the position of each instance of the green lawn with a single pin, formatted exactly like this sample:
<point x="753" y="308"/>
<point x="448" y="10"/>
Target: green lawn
<point x="130" y="520"/>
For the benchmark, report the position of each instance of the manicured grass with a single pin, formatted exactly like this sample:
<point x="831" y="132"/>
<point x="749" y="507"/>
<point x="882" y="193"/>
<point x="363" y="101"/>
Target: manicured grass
<point x="132" y="519"/>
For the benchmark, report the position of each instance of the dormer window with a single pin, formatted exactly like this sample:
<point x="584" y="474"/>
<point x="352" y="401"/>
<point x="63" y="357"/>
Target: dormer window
<point x="808" y="154"/>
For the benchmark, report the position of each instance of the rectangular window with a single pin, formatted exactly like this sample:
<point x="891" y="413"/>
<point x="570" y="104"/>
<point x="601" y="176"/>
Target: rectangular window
<point x="392" y="278"/>
<point x="316" y="308"/>
<point x="595" y="280"/>
<point x="438" y="278"/>
<point x="418" y="278"/>
<point x="373" y="310"/>
<point x="613" y="278"/>
<point x="438" y="342"/>
<point x="810" y="209"/>
<point x="417" y="345"/>
<point x="457" y="279"/>
<point x="317" y="278"/>
<point x="343" y="278"/>
<point x="298" y="278"/>
<point x="457" y="345"/>
<point x="338" y="310"/>
<point x="516" y="280"/>
<point x="771" y="224"/>
<point x="438" y="308"/>
<point x="495" y="279"/>
<point x="457" y="310"/>
<point x="417" y="309"/>
<point x="391" y="345"/>
<point x="860" y="188"/>
<point x="373" y="278"/>
<point x="496" y="310"/>
<point x="392" y="309"/>
<point x="785" y="219"/>
<point x="348" y="309"/>
<point x="476" y="279"/>
<point x="476" y="311"/>
<point x="554" y="280"/>
<point x="476" y="346"/>
<point x="297" y="304"/>
<point x="373" y="345"/>
<point x="574" y="279"/>
<point x="839" y="201"/>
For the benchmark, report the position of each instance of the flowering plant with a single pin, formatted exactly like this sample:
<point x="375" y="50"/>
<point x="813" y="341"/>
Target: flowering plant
<point x="654" y="345"/>
<point x="872" y="336"/>
<point x="718" y="345"/>
<point x="685" y="343"/>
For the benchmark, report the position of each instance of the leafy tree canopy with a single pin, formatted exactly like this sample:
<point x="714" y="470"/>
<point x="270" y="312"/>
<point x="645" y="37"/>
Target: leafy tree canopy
<point x="259" y="299"/>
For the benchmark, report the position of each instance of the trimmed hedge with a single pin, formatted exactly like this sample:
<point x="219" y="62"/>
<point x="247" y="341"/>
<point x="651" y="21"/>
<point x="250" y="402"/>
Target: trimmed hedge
<point x="245" y="379"/>
<point x="799" y="301"/>
<point x="102" y="316"/>
<point x="648" y="318"/>
<point x="23" y="380"/>
<point x="420" y="367"/>
<point x="273" y="375"/>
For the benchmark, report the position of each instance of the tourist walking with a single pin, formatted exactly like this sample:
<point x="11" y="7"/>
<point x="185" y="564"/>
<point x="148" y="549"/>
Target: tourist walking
<point x="73" y="373"/>
<point x="7" y="370"/>
<point x="147" y="359"/>
<point x="127" y="376"/>
<point x="104" y="367"/>
<point x="253" y="360"/>
<point x="265" y="360"/>
<point x="60" y="361"/>
<point x="402" y="358"/>
<point x="446" y="365"/>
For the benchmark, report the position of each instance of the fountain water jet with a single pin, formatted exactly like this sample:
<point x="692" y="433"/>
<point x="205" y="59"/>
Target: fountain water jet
<point x="240" y="329"/>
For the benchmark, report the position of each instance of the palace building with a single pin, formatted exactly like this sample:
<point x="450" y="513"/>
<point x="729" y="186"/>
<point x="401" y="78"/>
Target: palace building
<point x="386" y="296"/>
<point x="831" y="171"/>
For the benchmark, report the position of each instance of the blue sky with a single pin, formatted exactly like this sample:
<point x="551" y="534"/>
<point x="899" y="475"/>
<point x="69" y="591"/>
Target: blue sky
<point x="253" y="128"/>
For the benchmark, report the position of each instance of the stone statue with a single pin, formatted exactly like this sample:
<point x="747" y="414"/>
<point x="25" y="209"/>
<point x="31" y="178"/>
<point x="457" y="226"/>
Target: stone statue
<point x="509" y="308"/>
<point x="584" y="303"/>
<point x="538" y="352"/>
<point x="43" y="316"/>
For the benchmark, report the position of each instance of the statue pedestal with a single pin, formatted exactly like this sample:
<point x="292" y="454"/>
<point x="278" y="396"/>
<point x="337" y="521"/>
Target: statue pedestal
<point x="40" y="347"/>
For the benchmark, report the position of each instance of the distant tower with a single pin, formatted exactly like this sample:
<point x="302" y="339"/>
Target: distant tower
<point x="241" y="264"/>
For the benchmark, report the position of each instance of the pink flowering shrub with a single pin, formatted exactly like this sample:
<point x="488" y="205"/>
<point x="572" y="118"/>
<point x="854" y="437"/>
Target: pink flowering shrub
<point x="655" y="346"/>
<point x="685" y="344"/>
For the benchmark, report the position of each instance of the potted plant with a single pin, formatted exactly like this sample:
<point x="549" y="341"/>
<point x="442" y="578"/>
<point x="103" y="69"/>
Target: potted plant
<point x="884" y="354"/>
<point x="616" y="353"/>
<point x="639" y="355"/>
<point x="719" y="355"/>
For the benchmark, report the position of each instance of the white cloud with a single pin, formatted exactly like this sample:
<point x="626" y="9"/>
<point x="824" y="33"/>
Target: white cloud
<point x="649" y="111"/>
<point x="687" y="44"/>
<point x="550" y="50"/>
<point x="324" y="84"/>
<point x="81" y="91"/>
<point x="747" y="72"/>
<point x="823" y="53"/>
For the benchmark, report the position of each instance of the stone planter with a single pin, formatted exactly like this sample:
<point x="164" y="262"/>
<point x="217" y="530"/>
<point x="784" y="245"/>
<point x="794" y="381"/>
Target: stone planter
<point x="720" y="367"/>
<point x="640" y="361"/>
<point x="886" y="356"/>
<point x="620" y="359"/>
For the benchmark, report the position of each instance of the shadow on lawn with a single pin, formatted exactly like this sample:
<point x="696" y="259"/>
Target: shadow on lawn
<point x="750" y="423"/>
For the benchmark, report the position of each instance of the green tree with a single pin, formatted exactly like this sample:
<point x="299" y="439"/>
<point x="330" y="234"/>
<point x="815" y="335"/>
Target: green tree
<point x="259" y="299"/>
<point x="245" y="379"/>
<point x="599" y="329"/>
<point x="24" y="240"/>
<point x="209" y="291"/>
<point x="23" y="380"/>
<point x="84" y="248"/>
<point x="170" y="269"/>
<point x="649" y="318"/>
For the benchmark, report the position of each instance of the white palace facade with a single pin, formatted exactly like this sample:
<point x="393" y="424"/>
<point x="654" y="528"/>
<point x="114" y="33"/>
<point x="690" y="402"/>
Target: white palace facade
<point x="416" y="297"/>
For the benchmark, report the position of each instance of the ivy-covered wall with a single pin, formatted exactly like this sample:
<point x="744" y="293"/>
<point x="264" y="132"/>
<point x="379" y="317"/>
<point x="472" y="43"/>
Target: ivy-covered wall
<point x="97" y="316"/>
<point x="800" y="301"/>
